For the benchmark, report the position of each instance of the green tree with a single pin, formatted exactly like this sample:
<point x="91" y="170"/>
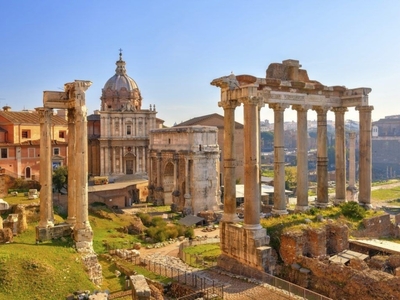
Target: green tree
<point x="267" y="140"/>
<point x="60" y="178"/>
<point x="290" y="177"/>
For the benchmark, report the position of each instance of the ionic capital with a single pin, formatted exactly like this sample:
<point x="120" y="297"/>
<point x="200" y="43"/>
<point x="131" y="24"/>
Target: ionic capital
<point x="339" y="110"/>
<point x="278" y="106"/>
<point x="365" y="108"/>
<point x="301" y="107"/>
<point x="352" y="134"/>
<point x="229" y="104"/>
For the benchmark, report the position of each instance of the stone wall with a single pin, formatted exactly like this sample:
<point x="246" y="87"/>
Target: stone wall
<point x="93" y="268"/>
<point x="49" y="233"/>
<point x="338" y="281"/>
<point x="375" y="227"/>
<point x="307" y="241"/>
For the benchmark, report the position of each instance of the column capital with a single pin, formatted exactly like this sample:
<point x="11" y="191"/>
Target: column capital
<point x="278" y="106"/>
<point x="256" y="101"/>
<point x="367" y="108"/>
<point x="352" y="134"/>
<point x="321" y="110"/>
<point x="301" y="107"/>
<point x="229" y="104"/>
<point x="44" y="114"/>
<point x="339" y="110"/>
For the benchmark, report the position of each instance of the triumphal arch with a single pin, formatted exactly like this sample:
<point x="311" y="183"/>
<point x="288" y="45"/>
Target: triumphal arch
<point x="285" y="85"/>
<point x="72" y="100"/>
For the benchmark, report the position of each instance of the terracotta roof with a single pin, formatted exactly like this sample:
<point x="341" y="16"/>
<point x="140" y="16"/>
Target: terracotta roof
<point x="198" y="121"/>
<point x="25" y="117"/>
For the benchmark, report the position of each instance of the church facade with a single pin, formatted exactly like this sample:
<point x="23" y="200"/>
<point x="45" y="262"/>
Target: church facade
<point x="121" y="128"/>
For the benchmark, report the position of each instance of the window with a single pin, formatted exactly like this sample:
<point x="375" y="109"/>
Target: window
<point x="26" y="134"/>
<point x="4" y="153"/>
<point x="56" y="151"/>
<point x="61" y="134"/>
<point x="129" y="130"/>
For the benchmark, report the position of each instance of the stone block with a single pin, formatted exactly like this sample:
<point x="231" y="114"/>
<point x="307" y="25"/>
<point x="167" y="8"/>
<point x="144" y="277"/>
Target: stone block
<point x="140" y="288"/>
<point x="6" y="235"/>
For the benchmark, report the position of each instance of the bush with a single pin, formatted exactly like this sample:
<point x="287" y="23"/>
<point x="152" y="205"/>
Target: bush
<point x="146" y="219"/>
<point x="189" y="232"/>
<point x="353" y="210"/>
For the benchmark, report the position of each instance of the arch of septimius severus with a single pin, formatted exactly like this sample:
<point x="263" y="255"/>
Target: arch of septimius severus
<point x="285" y="85"/>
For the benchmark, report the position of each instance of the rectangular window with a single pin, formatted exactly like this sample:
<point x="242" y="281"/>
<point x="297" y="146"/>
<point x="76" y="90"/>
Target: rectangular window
<point x="61" y="134"/>
<point x="4" y="153"/>
<point x="26" y="134"/>
<point x="31" y="152"/>
<point x="129" y="130"/>
<point x="56" y="151"/>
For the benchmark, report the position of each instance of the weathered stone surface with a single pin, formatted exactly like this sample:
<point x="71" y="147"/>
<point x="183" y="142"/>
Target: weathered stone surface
<point x="48" y="233"/>
<point x="6" y="235"/>
<point x="376" y="227"/>
<point x="93" y="268"/>
<point x="140" y="288"/>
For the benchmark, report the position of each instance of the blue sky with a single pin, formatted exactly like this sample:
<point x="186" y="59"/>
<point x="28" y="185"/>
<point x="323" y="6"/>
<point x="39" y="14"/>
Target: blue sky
<point x="174" y="49"/>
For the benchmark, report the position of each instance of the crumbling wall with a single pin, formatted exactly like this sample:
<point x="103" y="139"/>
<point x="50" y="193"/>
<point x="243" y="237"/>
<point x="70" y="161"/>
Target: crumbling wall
<point x="337" y="237"/>
<point x="375" y="227"/>
<point x="338" y="281"/>
<point x="93" y="268"/>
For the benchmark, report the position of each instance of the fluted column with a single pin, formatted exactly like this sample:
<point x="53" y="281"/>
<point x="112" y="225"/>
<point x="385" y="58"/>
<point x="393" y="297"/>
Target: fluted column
<point x="302" y="158"/>
<point x="340" y="155"/>
<point x="46" y="192"/>
<point x="71" y="166"/>
<point x="229" y="161"/>
<point x="279" y="160"/>
<point x="322" y="157"/>
<point x="365" y="156"/>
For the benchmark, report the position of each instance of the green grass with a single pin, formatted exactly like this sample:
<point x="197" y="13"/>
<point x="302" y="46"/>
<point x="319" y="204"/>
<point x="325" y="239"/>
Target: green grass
<point x="20" y="199"/>
<point x="386" y="194"/>
<point x="202" y="253"/>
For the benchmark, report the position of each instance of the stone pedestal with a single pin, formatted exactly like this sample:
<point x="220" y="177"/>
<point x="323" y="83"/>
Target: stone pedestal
<point x="244" y="250"/>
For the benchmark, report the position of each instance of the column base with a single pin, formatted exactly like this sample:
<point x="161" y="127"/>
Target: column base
<point x="230" y="218"/>
<point x="83" y="238"/>
<point x="279" y="211"/>
<point x="301" y="208"/>
<point x="339" y="201"/>
<point x="252" y="226"/>
<point x="322" y="205"/>
<point x="366" y="205"/>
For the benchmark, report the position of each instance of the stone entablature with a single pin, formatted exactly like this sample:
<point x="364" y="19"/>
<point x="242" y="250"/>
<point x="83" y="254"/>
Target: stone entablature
<point x="184" y="164"/>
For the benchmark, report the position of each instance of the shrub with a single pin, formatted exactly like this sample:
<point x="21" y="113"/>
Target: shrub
<point x="146" y="219"/>
<point x="353" y="210"/>
<point x="189" y="232"/>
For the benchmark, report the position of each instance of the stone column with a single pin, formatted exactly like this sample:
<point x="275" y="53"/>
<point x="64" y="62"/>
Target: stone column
<point x="352" y="159"/>
<point x="302" y="158"/>
<point x="71" y="167"/>
<point x="365" y="160"/>
<point x="114" y="167"/>
<point x="229" y="215"/>
<point x="252" y="203"/>
<point x="46" y="171"/>
<point x="188" y="198"/>
<point x="340" y="155"/>
<point x="159" y="169"/>
<point x="279" y="160"/>
<point x="83" y="234"/>
<point x="322" y="157"/>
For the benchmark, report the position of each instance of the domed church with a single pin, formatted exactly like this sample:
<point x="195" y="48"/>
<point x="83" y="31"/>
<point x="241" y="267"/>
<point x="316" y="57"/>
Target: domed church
<point x="120" y="130"/>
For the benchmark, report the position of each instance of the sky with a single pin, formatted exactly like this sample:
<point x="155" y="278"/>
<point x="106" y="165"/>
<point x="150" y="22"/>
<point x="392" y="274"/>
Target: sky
<point x="173" y="49"/>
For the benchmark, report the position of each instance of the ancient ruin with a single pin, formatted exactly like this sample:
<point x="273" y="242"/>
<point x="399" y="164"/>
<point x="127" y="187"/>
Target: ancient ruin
<point x="285" y="85"/>
<point x="184" y="164"/>
<point x="72" y="100"/>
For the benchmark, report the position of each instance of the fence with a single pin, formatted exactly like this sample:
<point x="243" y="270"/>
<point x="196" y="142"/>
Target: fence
<point x="200" y="283"/>
<point x="292" y="289"/>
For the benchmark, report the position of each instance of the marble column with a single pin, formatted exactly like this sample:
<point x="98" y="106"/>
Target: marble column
<point x="302" y="158"/>
<point x="71" y="166"/>
<point x="46" y="171"/>
<point x="340" y="155"/>
<point x="229" y="161"/>
<point x="365" y="156"/>
<point x="279" y="159"/>
<point x="252" y="201"/>
<point x="322" y="157"/>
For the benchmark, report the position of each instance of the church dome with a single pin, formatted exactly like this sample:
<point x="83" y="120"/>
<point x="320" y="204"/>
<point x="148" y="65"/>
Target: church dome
<point x="120" y="79"/>
<point x="121" y="93"/>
